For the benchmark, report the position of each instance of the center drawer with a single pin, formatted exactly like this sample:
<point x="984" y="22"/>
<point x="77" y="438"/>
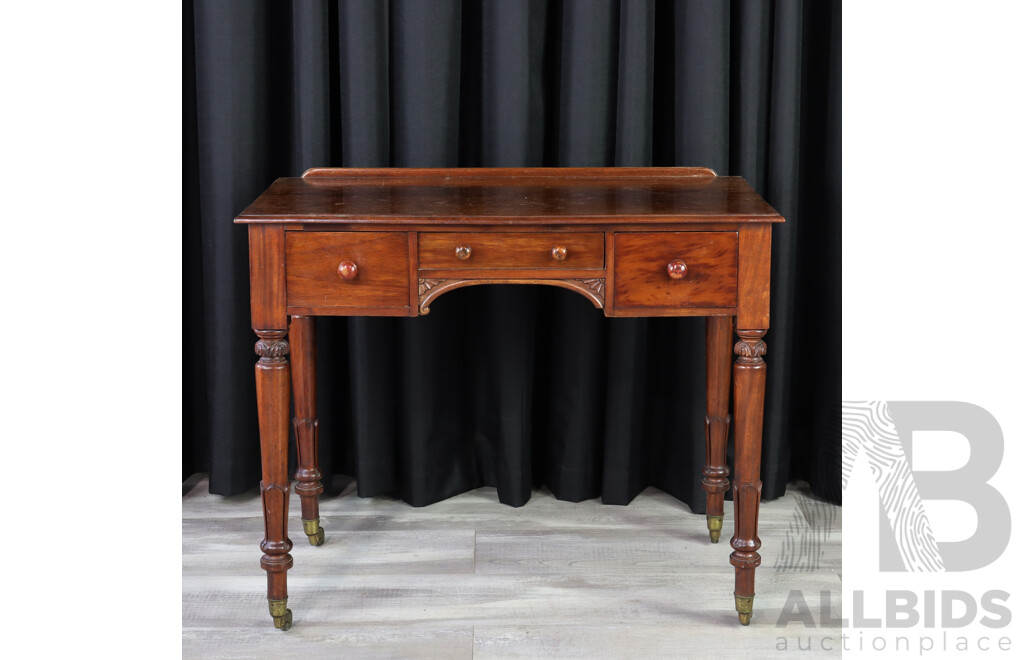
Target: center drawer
<point x="471" y="250"/>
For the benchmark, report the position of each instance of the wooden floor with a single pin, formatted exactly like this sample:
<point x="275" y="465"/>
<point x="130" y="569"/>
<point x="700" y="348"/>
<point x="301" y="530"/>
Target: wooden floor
<point x="472" y="578"/>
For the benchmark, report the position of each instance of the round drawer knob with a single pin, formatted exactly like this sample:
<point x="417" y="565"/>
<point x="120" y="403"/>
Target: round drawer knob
<point x="348" y="270"/>
<point x="463" y="252"/>
<point x="676" y="269"/>
<point x="559" y="253"/>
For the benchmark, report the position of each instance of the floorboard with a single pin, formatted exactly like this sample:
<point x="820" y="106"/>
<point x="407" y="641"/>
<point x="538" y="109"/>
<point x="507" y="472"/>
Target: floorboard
<point x="472" y="578"/>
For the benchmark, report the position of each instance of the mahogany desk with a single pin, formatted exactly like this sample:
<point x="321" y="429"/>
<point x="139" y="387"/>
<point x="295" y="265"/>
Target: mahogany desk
<point x="387" y="242"/>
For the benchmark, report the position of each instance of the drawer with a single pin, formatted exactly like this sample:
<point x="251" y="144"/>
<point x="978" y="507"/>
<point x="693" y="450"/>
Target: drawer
<point x="511" y="250"/>
<point x="706" y="278"/>
<point x="376" y="263"/>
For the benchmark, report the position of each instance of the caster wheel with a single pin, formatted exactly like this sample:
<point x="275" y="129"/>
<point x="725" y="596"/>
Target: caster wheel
<point x="283" y="622"/>
<point x="715" y="528"/>
<point x="745" y="608"/>
<point x="314" y="532"/>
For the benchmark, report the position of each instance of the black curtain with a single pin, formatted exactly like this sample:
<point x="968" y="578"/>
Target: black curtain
<point x="514" y="387"/>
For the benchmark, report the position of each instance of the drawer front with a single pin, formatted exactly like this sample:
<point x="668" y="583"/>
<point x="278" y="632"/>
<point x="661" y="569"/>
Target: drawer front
<point x="511" y="250"/>
<point x="347" y="269"/>
<point x="706" y="278"/>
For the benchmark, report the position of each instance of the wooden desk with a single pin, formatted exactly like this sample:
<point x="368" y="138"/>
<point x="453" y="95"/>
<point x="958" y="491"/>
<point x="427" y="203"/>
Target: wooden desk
<point x="387" y="242"/>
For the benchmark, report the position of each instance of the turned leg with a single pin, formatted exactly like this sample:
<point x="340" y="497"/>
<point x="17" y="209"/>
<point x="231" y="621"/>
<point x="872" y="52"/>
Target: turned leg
<point x="272" y="396"/>
<point x="303" y="351"/>
<point x="718" y="341"/>
<point x="748" y="381"/>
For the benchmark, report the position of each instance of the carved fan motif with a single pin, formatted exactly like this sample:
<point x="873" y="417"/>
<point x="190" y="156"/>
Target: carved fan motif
<point x="427" y="285"/>
<point x="595" y="285"/>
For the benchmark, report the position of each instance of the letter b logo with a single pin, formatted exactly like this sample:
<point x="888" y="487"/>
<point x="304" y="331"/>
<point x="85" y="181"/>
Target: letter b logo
<point x="883" y="431"/>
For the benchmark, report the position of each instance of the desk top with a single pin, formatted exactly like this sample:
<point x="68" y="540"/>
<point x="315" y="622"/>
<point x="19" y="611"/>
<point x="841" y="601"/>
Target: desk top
<point x="510" y="196"/>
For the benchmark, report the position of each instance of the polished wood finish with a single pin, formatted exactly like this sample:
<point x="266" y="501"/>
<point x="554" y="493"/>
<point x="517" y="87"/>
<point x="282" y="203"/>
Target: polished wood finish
<point x="303" y="352"/>
<point x="512" y="250"/>
<point x="348" y="270"/>
<point x="486" y="176"/>
<point x="609" y="275"/>
<point x="313" y="310"/>
<point x="754" y="274"/>
<point x="388" y="242"/>
<point x="470" y="225"/>
<point x="511" y="197"/>
<point x="266" y="277"/>
<point x="718" y="361"/>
<point x="643" y="277"/>
<point x="379" y="275"/>
<point x="273" y="396"/>
<point x="749" y="374"/>
<point x="676" y="269"/>
<point x="592" y="289"/>
<point x="510" y="273"/>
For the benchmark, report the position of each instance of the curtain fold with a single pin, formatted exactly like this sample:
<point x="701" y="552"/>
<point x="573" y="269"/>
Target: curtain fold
<point x="510" y="386"/>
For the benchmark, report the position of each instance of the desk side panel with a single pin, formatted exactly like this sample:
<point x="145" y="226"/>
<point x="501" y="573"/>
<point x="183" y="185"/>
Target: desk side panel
<point x="754" y="277"/>
<point x="267" y="277"/>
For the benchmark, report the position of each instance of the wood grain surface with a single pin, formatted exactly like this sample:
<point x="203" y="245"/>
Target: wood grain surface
<point x="754" y="272"/>
<point x="386" y="242"/>
<point x="512" y="250"/>
<point x="547" y="196"/>
<point x="266" y="277"/>
<point x="642" y="279"/>
<point x="382" y="259"/>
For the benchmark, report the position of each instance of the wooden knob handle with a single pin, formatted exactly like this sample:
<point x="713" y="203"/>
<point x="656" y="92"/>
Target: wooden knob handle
<point x="463" y="252"/>
<point x="676" y="269"/>
<point x="348" y="270"/>
<point x="559" y="253"/>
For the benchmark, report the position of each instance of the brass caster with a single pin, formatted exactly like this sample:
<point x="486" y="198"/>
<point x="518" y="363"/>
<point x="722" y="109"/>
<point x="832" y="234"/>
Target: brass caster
<point x="314" y="532"/>
<point x="281" y="614"/>
<point x="285" y="622"/>
<point x="744" y="608"/>
<point x="715" y="528"/>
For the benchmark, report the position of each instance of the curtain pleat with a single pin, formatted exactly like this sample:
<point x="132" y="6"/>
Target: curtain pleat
<point x="311" y="90"/>
<point x="634" y="102"/>
<point x="587" y="83"/>
<point x="510" y="386"/>
<point x="425" y="60"/>
<point x="702" y="42"/>
<point x="364" y="96"/>
<point x="783" y="185"/>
